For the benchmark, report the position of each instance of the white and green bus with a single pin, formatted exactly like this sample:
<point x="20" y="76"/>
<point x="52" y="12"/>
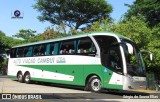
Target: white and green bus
<point x="97" y="60"/>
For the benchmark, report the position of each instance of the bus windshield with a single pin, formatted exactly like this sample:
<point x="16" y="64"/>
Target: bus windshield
<point x="135" y="64"/>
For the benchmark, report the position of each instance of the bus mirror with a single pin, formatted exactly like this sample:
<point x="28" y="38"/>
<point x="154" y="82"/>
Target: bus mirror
<point x="130" y="48"/>
<point x="150" y="54"/>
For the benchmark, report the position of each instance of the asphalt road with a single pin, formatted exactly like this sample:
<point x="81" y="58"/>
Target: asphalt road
<point x="65" y="93"/>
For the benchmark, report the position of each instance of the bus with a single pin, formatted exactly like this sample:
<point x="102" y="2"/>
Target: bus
<point x="95" y="61"/>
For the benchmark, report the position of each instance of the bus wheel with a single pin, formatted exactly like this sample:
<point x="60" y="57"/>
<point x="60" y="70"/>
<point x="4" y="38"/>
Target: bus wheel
<point x="94" y="84"/>
<point x="20" y="77"/>
<point x="27" y="78"/>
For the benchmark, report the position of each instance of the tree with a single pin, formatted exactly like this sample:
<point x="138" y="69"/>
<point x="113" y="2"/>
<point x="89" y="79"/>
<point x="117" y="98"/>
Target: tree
<point x="73" y="13"/>
<point x="2" y="34"/>
<point x="5" y="44"/>
<point x="150" y="9"/>
<point x="135" y="29"/>
<point x="25" y="34"/>
<point x="50" y="33"/>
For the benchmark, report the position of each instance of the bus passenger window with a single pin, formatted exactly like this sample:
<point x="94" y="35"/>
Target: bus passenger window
<point x="39" y="50"/>
<point x="36" y="51"/>
<point x="13" y="53"/>
<point x="64" y="51"/>
<point x="20" y="52"/>
<point x="52" y="49"/>
<point x="25" y="51"/>
<point x="42" y="50"/>
<point x="29" y="51"/>
<point x="67" y="47"/>
<point x="86" y="47"/>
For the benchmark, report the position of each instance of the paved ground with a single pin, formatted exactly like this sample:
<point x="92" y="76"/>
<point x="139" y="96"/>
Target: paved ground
<point x="12" y="86"/>
<point x="67" y="93"/>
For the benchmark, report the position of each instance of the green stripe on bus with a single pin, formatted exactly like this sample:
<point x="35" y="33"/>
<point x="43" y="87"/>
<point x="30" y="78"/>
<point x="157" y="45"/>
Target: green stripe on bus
<point x="80" y="72"/>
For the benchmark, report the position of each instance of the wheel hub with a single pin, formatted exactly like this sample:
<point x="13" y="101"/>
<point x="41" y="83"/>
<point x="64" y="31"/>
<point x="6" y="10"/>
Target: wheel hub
<point x="96" y="84"/>
<point x="27" y="78"/>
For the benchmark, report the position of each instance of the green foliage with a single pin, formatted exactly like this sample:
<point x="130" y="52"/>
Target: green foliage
<point x="1" y="42"/>
<point x="136" y="30"/>
<point x="9" y="42"/>
<point x="50" y="33"/>
<point x="100" y="25"/>
<point x="150" y="9"/>
<point x="3" y="66"/>
<point x="2" y="33"/>
<point x="154" y="46"/>
<point x="25" y="34"/>
<point x="30" y="36"/>
<point x="5" y="42"/>
<point x="71" y="12"/>
<point x="4" y="47"/>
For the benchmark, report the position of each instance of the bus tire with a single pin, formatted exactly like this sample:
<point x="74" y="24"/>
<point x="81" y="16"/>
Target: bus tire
<point x="94" y="84"/>
<point x="27" y="78"/>
<point x="20" y="77"/>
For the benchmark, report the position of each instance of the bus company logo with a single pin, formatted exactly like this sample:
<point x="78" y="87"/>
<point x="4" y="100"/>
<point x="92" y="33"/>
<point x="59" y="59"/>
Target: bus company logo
<point x="61" y="60"/>
<point x="17" y="14"/>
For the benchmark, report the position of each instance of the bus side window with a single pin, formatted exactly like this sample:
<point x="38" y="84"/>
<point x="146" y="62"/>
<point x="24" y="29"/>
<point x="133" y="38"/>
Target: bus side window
<point x="39" y="50"/>
<point x="25" y="51"/>
<point x="56" y="47"/>
<point x="64" y="49"/>
<point x="67" y="47"/>
<point x="29" y="52"/>
<point x="19" y="52"/>
<point x="48" y="49"/>
<point x="71" y="47"/>
<point x="42" y="50"/>
<point x="51" y="50"/>
<point x="86" y="47"/>
<point x="13" y="53"/>
<point x="36" y="51"/>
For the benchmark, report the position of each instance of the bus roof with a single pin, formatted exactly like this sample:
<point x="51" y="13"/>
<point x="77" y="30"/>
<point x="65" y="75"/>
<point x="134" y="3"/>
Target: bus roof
<point x="72" y="37"/>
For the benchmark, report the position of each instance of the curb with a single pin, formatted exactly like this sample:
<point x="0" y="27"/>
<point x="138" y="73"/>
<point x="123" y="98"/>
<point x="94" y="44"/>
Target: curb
<point x="147" y="91"/>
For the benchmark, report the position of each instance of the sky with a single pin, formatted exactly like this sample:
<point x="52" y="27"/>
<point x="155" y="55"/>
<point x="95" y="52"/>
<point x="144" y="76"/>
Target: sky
<point x="12" y="26"/>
